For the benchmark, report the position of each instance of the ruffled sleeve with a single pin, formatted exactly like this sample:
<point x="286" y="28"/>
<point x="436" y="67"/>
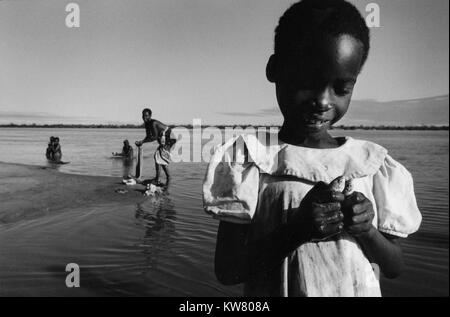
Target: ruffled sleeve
<point x="393" y="188"/>
<point x="230" y="188"/>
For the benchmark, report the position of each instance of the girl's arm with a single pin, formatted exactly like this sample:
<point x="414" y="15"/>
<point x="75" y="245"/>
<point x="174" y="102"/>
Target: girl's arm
<point x="381" y="249"/>
<point x="237" y="257"/>
<point x="231" y="253"/>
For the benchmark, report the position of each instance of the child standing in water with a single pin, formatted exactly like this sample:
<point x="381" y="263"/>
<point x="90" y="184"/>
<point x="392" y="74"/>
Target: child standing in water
<point x="158" y="131"/>
<point x="284" y="231"/>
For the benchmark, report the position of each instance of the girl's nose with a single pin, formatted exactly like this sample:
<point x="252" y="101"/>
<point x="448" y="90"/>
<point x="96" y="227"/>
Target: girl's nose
<point x="323" y="100"/>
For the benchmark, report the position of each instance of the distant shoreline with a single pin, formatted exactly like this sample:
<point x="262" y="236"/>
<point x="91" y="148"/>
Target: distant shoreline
<point x="189" y="126"/>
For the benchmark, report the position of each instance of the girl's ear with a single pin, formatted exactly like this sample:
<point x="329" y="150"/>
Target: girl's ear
<point x="271" y="69"/>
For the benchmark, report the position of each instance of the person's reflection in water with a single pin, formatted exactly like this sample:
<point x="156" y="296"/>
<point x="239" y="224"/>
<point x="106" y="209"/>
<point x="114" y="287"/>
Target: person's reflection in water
<point x="157" y="215"/>
<point x="127" y="167"/>
<point x="52" y="165"/>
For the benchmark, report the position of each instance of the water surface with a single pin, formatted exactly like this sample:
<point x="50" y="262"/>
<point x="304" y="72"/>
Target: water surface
<point x="164" y="246"/>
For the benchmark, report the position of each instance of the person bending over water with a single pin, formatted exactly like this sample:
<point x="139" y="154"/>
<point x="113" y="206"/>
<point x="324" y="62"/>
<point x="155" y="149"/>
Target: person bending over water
<point x="127" y="150"/>
<point x="157" y="131"/>
<point x="284" y="231"/>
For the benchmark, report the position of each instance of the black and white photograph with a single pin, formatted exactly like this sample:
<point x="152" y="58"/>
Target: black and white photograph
<point x="242" y="150"/>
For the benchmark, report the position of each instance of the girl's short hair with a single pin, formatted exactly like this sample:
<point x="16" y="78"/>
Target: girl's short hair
<point x="307" y="19"/>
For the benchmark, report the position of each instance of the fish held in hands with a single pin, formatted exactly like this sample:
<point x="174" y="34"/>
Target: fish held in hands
<point x="342" y="185"/>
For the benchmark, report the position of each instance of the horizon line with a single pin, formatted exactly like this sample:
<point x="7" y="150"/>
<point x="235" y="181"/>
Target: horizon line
<point x="138" y="126"/>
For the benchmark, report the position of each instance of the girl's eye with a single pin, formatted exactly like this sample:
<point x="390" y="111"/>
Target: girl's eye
<point x="343" y="90"/>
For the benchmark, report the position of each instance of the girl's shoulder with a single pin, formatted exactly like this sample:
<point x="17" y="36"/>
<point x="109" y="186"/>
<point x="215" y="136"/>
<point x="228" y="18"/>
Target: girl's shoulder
<point x="354" y="158"/>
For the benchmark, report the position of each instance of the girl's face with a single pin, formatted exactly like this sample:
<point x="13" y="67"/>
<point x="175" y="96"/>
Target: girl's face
<point x="315" y="86"/>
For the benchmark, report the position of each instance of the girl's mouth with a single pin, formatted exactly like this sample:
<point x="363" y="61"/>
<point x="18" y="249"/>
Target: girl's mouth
<point x="315" y="123"/>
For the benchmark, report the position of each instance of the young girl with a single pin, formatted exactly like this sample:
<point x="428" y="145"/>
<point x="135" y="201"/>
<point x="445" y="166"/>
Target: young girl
<point x="284" y="231"/>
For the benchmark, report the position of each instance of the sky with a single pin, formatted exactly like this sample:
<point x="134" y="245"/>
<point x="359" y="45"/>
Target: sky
<point x="204" y="59"/>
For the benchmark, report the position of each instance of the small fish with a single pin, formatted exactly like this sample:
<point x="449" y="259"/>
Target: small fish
<point x="342" y="185"/>
<point x="338" y="184"/>
<point x="348" y="190"/>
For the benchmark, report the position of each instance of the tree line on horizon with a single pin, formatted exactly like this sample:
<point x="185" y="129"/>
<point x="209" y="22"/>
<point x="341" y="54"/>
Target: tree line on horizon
<point x="244" y="126"/>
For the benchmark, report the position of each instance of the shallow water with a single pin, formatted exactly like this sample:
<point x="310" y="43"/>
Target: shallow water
<point x="164" y="246"/>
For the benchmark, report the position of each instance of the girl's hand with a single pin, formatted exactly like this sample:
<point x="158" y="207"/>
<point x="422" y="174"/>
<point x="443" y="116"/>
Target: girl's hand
<point x="322" y="209"/>
<point x="327" y="220"/>
<point x="358" y="214"/>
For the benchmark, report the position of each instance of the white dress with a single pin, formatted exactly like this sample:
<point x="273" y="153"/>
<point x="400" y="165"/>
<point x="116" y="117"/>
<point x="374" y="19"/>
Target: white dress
<point x="250" y="182"/>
